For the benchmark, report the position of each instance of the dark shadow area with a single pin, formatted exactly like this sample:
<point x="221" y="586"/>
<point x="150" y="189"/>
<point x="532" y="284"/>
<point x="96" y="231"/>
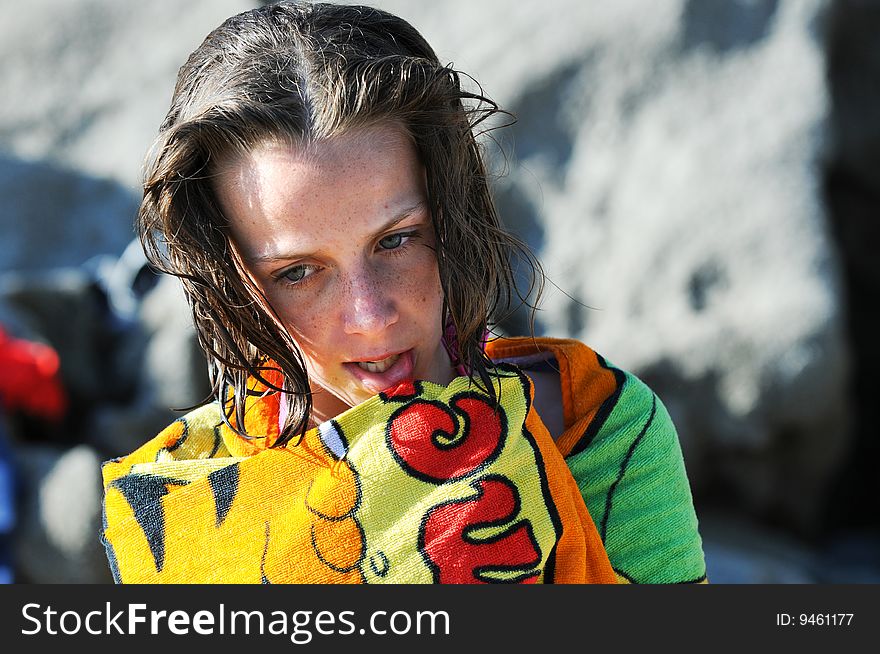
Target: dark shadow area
<point x="541" y="130"/>
<point x="52" y="217"/>
<point x="725" y="25"/>
<point x="57" y="228"/>
<point x="852" y="190"/>
<point x="541" y="136"/>
<point x="519" y="216"/>
<point x="73" y="279"/>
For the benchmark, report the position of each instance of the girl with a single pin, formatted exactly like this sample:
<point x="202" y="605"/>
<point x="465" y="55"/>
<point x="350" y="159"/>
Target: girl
<point x="317" y="188"/>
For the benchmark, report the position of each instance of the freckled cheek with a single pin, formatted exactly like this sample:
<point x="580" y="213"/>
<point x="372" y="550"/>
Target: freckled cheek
<point x="315" y="341"/>
<point x="304" y="321"/>
<point x="419" y="286"/>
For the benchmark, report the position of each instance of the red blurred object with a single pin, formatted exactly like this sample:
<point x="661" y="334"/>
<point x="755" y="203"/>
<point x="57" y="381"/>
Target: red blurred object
<point x="29" y="379"/>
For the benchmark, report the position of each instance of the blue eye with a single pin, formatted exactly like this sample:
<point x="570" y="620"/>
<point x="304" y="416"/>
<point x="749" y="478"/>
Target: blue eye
<point x="297" y="273"/>
<point x="391" y="242"/>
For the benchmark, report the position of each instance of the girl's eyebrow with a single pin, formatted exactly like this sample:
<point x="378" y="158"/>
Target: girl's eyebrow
<point x="274" y="257"/>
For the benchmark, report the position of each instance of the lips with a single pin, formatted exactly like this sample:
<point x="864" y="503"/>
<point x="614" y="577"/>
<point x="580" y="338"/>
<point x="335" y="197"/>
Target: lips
<point x="389" y="371"/>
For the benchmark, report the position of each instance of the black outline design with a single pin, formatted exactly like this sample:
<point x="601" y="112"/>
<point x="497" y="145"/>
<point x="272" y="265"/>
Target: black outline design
<point x="632" y="580"/>
<point x="550" y="566"/>
<point x="625" y="576"/>
<point x="355" y="477"/>
<point x="386" y="564"/>
<point x="330" y="454"/>
<point x="418" y="390"/>
<point x="144" y="493"/>
<point x="336" y="518"/>
<point x="350" y="515"/>
<point x="263" y="578"/>
<point x="550" y="505"/>
<point x="698" y="580"/>
<point x="176" y="444"/>
<point x="183" y="436"/>
<point x="448" y="440"/>
<point x="623" y="466"/>
<point x="604" y="411"/>
<point x="335" y="568"/>
<point x="218" y="440"/>
<point x="461" y="423"/>
<point x="342" y="438"/>
<point x="480" y="573"/>
<point x="108" y="547"/>
<point x="341" y="433"/>
<point x="224" y="486"/>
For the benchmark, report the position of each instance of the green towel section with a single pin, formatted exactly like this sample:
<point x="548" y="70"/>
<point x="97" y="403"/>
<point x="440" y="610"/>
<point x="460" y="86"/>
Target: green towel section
<point x="631" y="474"/>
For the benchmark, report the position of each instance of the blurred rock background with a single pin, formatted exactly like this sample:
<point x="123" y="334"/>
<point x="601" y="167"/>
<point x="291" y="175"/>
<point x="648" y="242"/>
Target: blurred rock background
<point x="701" y="179"/>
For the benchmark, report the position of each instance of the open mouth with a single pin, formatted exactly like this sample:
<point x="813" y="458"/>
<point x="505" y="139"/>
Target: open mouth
<point x="378" y="366"/>
<point x="384" y="373"/>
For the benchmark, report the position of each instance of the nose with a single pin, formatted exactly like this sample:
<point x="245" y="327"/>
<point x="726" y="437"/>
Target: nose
<point x="370" y="304"/>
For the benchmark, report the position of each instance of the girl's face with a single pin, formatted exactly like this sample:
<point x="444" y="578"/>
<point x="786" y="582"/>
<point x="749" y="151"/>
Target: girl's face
<point x="339" y="238"/>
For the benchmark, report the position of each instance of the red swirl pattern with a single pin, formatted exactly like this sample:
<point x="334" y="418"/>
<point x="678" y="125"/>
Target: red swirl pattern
<point x="458" y="558"/>
<point x="432" y="442"/>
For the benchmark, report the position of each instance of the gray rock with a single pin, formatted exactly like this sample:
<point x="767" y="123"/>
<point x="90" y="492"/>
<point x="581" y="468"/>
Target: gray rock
<point x="851" y="556"/>
<point x="52" y="217"/>
<point x="57" y="536"/>
<point x="87" y="83"/>
<point x="85" y="88"/>
<point x="853" y="192"/>
<point x="740" y="551"/>
<point x="115" y="430"/>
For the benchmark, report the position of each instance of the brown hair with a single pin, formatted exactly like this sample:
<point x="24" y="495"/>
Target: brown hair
<point x="314" y="71"/>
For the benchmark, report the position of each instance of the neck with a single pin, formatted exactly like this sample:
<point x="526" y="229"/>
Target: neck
<point x="325" y="406"/>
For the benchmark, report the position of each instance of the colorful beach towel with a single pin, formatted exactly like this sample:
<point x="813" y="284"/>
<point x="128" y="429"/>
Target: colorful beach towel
<point x="622" y="449"/>
<point x="421" y="484"/>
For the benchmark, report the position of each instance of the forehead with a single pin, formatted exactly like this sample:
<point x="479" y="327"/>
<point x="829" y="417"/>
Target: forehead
<point x="382" y="148"/>
<point x="282" y="195"/>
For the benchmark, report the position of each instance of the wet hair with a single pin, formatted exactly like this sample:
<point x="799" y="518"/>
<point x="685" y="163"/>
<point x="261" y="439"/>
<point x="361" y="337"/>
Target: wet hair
<point x="308" y="72"/>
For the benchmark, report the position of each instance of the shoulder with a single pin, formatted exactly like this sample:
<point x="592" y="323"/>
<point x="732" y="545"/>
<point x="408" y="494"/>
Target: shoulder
<point x="597" y="397"/>
<point x="203" y="434"/>
<point x="623" y="451"/>
<point x="574" y="377"/>
<point x="196" y="435"/>
<point x="628" y="463"/>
